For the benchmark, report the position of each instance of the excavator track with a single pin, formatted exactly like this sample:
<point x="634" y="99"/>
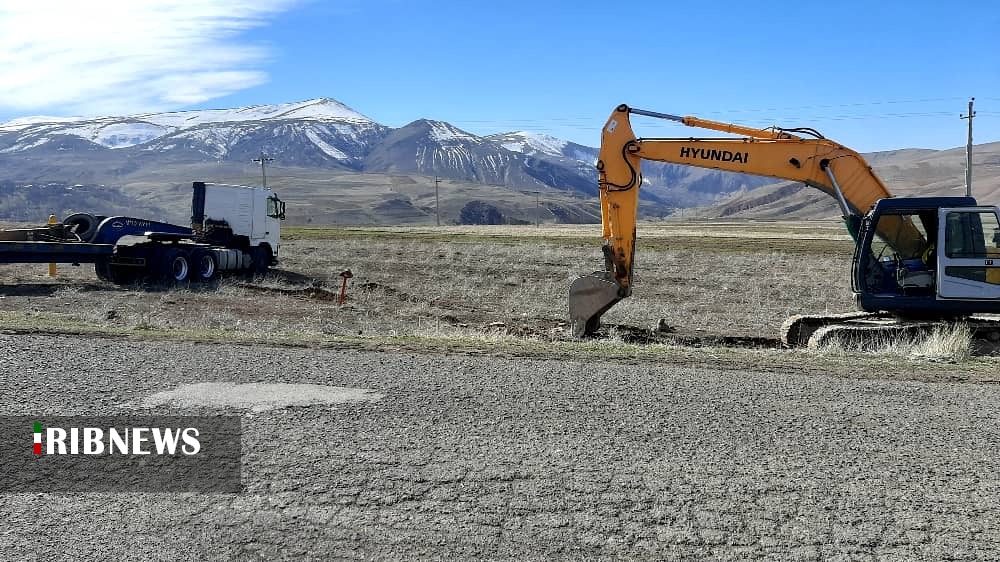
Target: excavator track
<point x="862" y="330"/>
<point x="796" y="330"/>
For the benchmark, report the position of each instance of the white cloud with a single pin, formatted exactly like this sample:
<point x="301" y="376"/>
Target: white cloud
<point x="128" y="56"/>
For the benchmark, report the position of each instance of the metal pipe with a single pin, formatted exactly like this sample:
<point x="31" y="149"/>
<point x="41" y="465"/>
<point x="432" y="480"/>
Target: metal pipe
<point x="198" y="205"/>
<point x="840" y="194"/>
<point x="52" y="266"/>
<point x="700" y="123"/>
<point x="655" y="114"/>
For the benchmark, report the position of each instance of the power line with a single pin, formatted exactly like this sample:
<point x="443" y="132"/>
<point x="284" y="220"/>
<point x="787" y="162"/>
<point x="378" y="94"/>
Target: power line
<point x="569" y="122"/>
<point x="587" y="123"/>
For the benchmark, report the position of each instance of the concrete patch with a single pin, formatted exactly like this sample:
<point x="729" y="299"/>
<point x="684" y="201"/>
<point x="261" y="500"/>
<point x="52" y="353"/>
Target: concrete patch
<point x="257" y="396"/>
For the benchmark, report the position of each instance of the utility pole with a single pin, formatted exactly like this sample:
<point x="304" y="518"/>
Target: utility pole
<point x="437" y="200"/>
<point x="538" y="215"/>
<point x="968" y="150"/>
<point x="263" y="160"/>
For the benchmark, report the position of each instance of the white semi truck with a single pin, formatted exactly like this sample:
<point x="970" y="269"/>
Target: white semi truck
<point x="233" y="229"/>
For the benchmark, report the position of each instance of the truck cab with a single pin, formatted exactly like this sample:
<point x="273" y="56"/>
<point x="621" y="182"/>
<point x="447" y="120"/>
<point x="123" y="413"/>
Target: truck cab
<point x="239" y="217"/>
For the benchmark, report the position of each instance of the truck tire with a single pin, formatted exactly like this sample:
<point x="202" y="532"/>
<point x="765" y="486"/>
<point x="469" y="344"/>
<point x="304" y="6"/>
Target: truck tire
<point x="103" y="270"/>
<point x="206" y="267"/>
<point x="260" y="258"/>
<point x="175" y="266"/>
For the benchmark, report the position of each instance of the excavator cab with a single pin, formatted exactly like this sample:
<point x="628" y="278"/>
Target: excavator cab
<point x="947" y="270"/>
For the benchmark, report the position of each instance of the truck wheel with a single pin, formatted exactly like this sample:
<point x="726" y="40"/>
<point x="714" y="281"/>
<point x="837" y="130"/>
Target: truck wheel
<point x="260" y="257"/>
<point x="103" y="270"/>
<point x="205" y="266"/>
<point x="176" y="266"/>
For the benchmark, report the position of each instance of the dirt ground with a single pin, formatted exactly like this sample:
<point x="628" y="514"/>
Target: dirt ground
<point x="480" y="457"/>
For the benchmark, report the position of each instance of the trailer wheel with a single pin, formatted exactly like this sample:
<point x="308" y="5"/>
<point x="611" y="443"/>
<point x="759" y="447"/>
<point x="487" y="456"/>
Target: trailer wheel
<point x="205" y="266"/>
<point x="176" y="266"/>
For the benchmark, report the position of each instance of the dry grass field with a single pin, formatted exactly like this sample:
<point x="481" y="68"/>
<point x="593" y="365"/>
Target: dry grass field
<point x="723" y="279"/>
<point x="713" y="282"/>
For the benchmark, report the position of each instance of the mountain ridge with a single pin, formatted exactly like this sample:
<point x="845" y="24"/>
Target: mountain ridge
<point x="327" y="134"/>
<point x="322" y="139"/>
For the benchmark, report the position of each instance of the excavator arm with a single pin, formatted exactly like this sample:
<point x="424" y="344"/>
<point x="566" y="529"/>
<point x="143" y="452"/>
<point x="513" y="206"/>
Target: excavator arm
<point x="815" y="161"/>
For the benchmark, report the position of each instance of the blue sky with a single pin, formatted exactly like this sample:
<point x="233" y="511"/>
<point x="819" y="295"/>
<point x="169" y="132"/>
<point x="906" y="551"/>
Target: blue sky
<point x="871" y="75"/>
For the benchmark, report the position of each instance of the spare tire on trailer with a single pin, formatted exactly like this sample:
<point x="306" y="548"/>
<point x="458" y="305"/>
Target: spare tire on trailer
<point x="83" y="224"/>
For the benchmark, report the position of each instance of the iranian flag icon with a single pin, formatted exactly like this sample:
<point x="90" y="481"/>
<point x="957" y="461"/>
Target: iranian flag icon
<point x="38" y="438"/>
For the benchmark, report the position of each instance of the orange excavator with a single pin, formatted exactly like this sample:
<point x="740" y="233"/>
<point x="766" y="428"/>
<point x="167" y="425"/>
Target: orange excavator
<point x="918" y="260"/>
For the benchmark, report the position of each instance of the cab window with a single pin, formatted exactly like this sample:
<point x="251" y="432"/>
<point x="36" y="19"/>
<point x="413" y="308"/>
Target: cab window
<point x="275" y="208"/>
<point x="972" y="235"/>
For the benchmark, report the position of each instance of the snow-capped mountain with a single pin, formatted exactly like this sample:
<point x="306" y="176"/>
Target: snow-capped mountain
<point x="317" y="134"/>
<point x="537" y="144"/>
<point x="122" y="132"/>
<point x="437" y="148"/>
<point x="320" y="133"/>
<point x="320" y="130"/>
<point x="297" y="142"/>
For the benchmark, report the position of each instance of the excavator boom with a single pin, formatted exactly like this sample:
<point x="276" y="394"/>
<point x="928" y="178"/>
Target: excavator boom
<point x="778" y="153"/>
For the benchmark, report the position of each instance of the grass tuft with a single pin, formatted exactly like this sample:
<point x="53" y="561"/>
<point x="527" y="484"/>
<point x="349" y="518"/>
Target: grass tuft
<point x="948" y="343"/>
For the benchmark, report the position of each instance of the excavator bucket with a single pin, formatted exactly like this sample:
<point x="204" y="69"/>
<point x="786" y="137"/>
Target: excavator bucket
<point x="591" y="296"/>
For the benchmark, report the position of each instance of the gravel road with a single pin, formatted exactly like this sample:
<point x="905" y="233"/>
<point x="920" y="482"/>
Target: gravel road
<point x="475" y="457"/>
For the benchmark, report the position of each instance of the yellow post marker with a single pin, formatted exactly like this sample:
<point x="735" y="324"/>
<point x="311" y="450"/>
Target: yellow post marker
<point x="52" y="266"/>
